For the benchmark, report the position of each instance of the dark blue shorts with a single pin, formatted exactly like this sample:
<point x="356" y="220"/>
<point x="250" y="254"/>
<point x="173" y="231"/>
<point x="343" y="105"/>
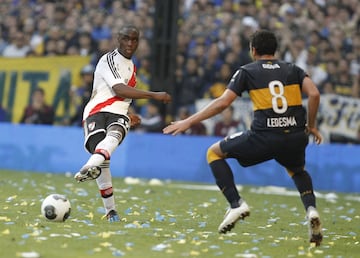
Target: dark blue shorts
<point x="251" y="148"/>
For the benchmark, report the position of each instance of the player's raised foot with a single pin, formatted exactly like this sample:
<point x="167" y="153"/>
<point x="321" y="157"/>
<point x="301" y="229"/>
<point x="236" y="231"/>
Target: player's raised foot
<point x="315" y="231"/>
<point x="88" y="173"/>
<point x="112" y="216"/>
<point x="232" y="216"/>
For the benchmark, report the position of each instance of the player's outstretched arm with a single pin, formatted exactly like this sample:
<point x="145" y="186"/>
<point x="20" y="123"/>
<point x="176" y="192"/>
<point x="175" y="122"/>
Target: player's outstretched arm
<point x="215" y="107"/>
<point x="124" y="91"/>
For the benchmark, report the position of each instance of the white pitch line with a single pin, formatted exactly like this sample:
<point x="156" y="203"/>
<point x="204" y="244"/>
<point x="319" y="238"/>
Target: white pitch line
<point x="271" y="190"/>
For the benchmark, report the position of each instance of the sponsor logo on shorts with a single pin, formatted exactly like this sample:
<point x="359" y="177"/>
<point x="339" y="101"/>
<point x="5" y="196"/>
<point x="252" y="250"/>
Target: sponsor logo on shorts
<point x="233" y="136"/>
<point x="124" y="122"/>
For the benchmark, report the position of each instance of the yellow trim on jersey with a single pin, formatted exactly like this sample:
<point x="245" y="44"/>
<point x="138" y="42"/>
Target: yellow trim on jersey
<point x="262" y="98"/>
<point x="211" y="156"/>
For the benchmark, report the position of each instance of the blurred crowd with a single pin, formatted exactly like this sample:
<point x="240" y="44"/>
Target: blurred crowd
<point x="322" y="37"/>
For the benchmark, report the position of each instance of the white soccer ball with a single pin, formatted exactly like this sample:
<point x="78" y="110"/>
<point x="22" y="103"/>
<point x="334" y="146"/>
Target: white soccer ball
<point x="56" y="207"/>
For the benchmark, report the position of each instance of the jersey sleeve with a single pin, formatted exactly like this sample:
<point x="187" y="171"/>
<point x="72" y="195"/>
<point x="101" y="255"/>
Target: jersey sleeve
<point x="237" y="82"/>
<point x="108" y="72"/>
<point x="301" y="74"/>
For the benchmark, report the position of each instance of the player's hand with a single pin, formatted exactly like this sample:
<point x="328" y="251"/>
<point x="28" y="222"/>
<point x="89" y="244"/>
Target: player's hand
<point x="176" y="127"/>
<point x="314" y="132"/>
<point x="134" y="120"/>
<point x="162" y="96"/>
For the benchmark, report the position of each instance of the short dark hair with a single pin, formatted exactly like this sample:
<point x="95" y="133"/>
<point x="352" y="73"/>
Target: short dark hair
<point x="264" y="42"/>
<point x="124" y="30"/>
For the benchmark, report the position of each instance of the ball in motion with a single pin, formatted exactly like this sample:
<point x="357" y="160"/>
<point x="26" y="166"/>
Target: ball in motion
<point x="56" y="207"/>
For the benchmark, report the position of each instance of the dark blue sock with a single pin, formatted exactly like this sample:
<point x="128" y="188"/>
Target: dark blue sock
<point x="225" y="181"/>
<point x="304" y="185"/>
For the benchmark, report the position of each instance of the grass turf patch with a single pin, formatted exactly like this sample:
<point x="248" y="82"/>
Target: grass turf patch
<point x="168" y="219"/>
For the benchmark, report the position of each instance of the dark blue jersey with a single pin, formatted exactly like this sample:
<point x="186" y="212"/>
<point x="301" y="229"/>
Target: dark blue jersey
<point x="275" y="90"/>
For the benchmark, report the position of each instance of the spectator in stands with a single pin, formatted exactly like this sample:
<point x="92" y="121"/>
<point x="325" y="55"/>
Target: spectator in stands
<point x="100" y="30"/>
<point x="331" y="76"/>
<point x="189" y="89"/>
<point x="10" y="24"/>
<point x="213" y="63"/>
<point x="19" y="46"/>
<point x="312" y="66"/>
<point x="37" y="39"/>
<point x="196" y="128"/>
<point x="80" y="95"/>
<point x="86" y="45"/>
<point x="71" y="34"/>
<point x="38" y="112"/>
<point x="143" y="83"/>
<point x="152" y="121"/>
<point x="102" y="47"/>
<point x="220" y="81"/>
<point x="345" y="83"/>
<point x="54" y="35"/>
<point x="294" y="50"/>
<point x="61" y="47"/>
<point x="50" y="48"/>
<point x="60" y="14"/>
<point x="227" y="124"/>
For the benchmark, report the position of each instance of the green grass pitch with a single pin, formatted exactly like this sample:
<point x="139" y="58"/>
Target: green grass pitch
<point x="168" y="219"/>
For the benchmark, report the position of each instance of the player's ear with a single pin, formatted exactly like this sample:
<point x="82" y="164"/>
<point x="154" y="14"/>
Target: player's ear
<point x="253" y="52"/>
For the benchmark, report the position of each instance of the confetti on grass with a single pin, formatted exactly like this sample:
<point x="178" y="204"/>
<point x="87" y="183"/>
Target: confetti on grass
<point x="4" y="218"/>
<point x="28" y="255"/>
<point x="161" y="219"/>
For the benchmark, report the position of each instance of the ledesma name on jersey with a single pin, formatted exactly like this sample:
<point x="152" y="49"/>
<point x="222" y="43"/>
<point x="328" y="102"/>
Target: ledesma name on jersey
<point x="284" y="121"/>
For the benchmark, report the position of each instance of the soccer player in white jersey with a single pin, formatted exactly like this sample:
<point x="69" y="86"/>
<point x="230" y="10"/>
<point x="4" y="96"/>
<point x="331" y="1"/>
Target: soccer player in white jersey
<point x="106" y="120"/>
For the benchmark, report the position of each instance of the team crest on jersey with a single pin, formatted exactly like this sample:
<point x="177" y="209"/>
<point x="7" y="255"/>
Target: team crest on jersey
<point x="91" y="126"/>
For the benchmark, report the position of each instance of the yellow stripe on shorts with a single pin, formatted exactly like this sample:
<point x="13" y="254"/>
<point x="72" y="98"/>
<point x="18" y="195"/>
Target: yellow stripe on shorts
<point x="211" y="156"/>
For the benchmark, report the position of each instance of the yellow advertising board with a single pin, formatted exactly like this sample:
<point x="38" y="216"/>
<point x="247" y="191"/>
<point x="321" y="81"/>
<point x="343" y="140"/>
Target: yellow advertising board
<point x="56" y="75"/>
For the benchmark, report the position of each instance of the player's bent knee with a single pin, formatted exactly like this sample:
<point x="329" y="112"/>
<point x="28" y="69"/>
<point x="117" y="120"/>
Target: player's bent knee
<point x="212" y="156"/>
<point x="93" y="141"/>
<point x="116" y="136"/>
<point x="116" y="132"/>
<point x="295" y="171"/>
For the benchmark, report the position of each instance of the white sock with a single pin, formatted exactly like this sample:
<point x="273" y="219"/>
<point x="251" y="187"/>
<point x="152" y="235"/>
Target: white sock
<point x="95" y="160"/>
<point x="104" y="183"/>
<point x="110" y="142"/>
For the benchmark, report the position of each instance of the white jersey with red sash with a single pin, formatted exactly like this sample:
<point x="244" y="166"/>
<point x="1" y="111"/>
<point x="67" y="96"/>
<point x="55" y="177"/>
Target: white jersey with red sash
<point x="112" y="68"/>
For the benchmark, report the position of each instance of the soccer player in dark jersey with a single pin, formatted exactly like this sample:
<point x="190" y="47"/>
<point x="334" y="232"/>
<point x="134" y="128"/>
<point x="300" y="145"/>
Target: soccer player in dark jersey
<point x="280" y="129"/>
